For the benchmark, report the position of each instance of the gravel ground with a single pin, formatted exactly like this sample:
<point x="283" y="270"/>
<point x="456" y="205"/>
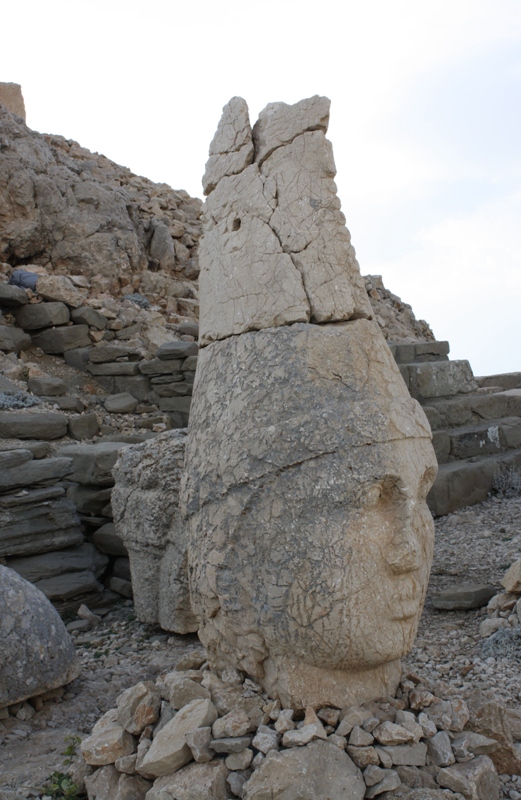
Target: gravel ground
<point x="473" y="545"/>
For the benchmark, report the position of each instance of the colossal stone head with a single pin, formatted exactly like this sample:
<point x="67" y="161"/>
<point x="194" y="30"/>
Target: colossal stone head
<point x="308" y="463"/>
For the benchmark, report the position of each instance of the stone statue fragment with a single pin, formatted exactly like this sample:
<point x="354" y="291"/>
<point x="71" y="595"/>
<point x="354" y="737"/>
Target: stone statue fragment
<point x="307" y="461"/>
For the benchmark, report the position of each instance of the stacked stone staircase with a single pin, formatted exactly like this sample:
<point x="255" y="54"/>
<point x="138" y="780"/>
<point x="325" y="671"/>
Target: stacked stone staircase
<point x="476" y="422"/>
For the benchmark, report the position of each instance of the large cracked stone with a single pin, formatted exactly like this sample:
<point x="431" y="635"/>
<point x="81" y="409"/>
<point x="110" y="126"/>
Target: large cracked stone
<point x="275" y="248"/>
<point x="36" y="652"/>
<point x="148" y="520"/>
<point x="307" y="461"/>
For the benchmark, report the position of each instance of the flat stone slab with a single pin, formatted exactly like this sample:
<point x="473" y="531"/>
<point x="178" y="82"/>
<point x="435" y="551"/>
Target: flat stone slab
<point x="37" y="425"/>
<point x="83" y="558"/>
<point x="12" y="296"/>
<point x="177" y="349"/>
<point x="123" y="403"/>
<point x="42" y="527"/>
<point x="42" y="315"/>
<point x="37" y="653"/>
<point x="463" y="597"/>
<point x="59" y="340"/>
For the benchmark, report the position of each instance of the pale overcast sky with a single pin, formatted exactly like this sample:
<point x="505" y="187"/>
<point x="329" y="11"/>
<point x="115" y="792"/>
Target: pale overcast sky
<point x="425" y="123"/>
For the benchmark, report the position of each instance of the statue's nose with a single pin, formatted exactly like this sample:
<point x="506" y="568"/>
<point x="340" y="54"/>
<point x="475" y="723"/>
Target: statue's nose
<point x="403" y="552"/>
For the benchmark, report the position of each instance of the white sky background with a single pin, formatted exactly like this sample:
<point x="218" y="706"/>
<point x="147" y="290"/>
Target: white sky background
<point x="425" y="123"/>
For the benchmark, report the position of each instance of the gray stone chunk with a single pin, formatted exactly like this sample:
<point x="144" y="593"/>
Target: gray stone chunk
<point x="85" y="557"/>
<point x="78" y="357"/>
<point x="85" y="426"/>
<point x="158" y="367"/>
<point x="12" y="296"/>
<point x="440" y="750"/>
<point x="135" y="385"/>
<point x="174" y="389"/>
<point x="121" y="586"/>
<point x="107" y="540"/>
<point x="235" y="744"/>
<point x="92" y="463"/>
<point x="33" y="496"/>
<point x="59" y="340"/>
<point x="189" y="328"/>
<point x="71" y="584"/>
<point x="315" y="772"/>
<point x="123" y="403"/>
<point x="13" y="340"/>
<point x="476" y="780"/>
<point x="35" y="472"/>
<point x="14" y="458"/>
<point x="27" y="530"/>
<point x="414" y="755"/>
<point x="46" y="385"/>
<point x="464" y="596"/>
<point x="104" y="353"/>
<point x="177" y="349"/>
<point x="7" y="386"/>
<point x="88" y="499"/>
<point x="39" y="425"/>
<point x="89" y="316"/>
<point x="42" y="315"/>
<point x="121" y="569"/>
<point x="114" y="368"/>
<point x="37" y="653"/>
<point x="181" y="404"/>
<point x="190" y="364"/>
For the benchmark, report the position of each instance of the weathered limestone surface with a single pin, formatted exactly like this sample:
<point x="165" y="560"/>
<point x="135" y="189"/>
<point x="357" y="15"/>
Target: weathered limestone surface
<point x="148" y="520"/>
<point x="307" y="470"/>
<point x="307" y="461"/>
<point x="36" y="652"/>
<point x="275" y="249"/>
<point x="12" y="98"/>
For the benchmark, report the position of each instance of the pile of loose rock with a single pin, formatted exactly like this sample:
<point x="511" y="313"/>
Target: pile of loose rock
<point x="224" y="737"/>
<point x="501" y="628"/>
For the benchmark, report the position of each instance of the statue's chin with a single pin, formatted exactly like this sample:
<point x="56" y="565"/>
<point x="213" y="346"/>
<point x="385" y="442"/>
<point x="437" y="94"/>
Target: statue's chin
<point x="299" y="685"/>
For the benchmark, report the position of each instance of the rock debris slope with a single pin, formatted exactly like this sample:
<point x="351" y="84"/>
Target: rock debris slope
<point x="307" y="462"/>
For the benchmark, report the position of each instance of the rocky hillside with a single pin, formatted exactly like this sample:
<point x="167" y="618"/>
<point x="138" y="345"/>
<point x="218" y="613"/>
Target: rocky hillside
<point x="70" y="212"/>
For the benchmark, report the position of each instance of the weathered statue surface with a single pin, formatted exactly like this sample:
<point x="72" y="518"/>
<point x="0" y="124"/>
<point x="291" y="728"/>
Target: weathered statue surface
<point x="307" y="462"/>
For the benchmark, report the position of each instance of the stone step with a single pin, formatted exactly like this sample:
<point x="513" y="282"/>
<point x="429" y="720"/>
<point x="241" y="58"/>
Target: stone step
<point x="435" y="379"/>
<point x="469" y="409"/>
<point x="467" y="482"/>
<point x="485" y="438"/>
<point x="406" y="353"/>
<point x="506" y="380"/>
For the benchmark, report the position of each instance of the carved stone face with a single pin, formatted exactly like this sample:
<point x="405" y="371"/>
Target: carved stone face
<point x="358" y="591"/>
<point x="314" y="540"/>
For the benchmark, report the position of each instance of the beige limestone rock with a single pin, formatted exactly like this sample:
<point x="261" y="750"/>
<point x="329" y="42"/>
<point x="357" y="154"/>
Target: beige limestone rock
<point x="12" y="98"/>
<point x="512" y="578"/>
<point x="280" y="123"/>
<point x="60" y="289"/>
<point x="169" y="750"/>
<point x="183" y="690"/>
<point x="107" y="742"/>
<point x="231" y="149"/>
<point x="198" y="741"/>
<point x="275" y="248"/>
<point x="193" y="782"/>
<point x="476" y="780"/>
<point x="315" y="772"/>
<point x="107" y="784"/>
<point x="138" y="707"/>
<point x="236" y="723"/>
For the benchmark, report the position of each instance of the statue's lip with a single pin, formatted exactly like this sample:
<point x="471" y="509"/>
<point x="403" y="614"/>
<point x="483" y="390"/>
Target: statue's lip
<point x="404" y="601"/>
